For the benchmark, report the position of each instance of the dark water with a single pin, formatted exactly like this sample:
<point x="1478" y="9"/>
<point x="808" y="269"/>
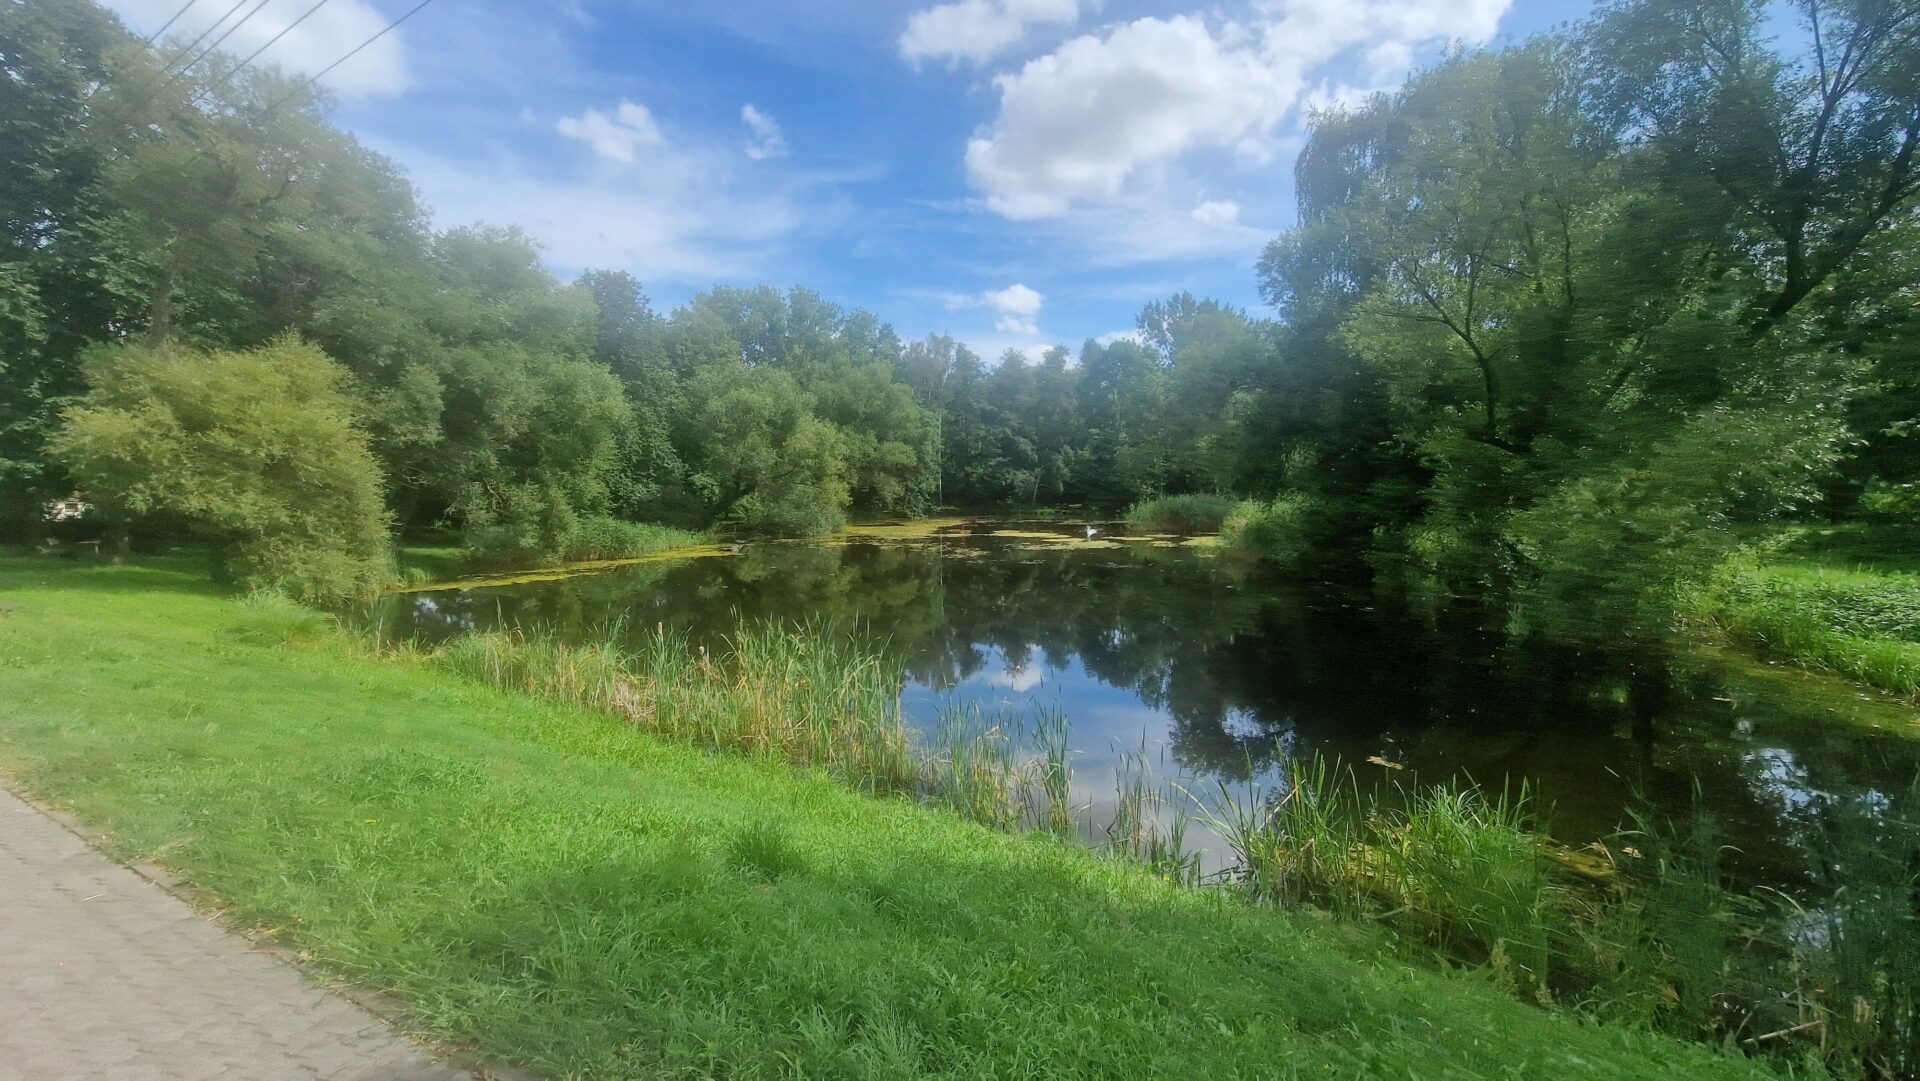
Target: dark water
<point x="1219" y="672"/>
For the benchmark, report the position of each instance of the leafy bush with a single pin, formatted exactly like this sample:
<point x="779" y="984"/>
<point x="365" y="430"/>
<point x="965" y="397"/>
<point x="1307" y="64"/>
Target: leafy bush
<point x="801" y="510"/>
<point x="1274" y="530"/>
<point x="1897" y="501"/>
<point x="258" y="452"/>
<point x="1198" y="513"/>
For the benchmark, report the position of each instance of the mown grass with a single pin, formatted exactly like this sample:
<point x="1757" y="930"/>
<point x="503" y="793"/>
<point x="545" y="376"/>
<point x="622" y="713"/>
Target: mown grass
<point x="1845" y="601"/>
<point x="553" y="887"/>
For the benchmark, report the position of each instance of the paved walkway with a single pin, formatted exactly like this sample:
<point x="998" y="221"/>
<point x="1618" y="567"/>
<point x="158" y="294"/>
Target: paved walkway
<point x="104" y="975"/>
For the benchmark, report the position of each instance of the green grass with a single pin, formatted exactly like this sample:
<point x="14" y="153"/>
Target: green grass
<point x="1197" y="513"/>
<point x="553" y="887"/>
<point x="420" y="564"/>
<point x="1844" y="600"/>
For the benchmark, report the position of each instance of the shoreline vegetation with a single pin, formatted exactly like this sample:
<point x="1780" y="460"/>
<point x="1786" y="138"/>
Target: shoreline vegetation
<point x="1844" y="600"/>
<point x="564" y="891"/>
<point x="1643" y="934"/>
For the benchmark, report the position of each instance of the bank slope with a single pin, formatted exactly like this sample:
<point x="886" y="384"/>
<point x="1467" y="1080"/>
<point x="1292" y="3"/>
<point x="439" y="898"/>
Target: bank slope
<point x="552" y="888"/>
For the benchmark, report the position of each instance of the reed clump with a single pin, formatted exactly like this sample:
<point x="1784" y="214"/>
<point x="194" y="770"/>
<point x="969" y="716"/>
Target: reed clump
<point x="1647" y="930"/>
<point x="806" y="695"/>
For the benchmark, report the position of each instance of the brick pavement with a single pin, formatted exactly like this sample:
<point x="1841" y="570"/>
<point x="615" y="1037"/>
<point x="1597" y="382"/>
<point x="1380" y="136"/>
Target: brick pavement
<point x="104" y="975"/>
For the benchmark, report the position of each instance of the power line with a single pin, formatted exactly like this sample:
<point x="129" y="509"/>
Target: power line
<point x="155" y="36"/>
<point x="208" y="51"/>
<point x="168" y="66"/>
<point x="284" y="98"/>
<point x="235" y="70"/>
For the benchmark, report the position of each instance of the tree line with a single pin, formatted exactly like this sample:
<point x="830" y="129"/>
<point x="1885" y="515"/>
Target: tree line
<point x="1557" y="322"/>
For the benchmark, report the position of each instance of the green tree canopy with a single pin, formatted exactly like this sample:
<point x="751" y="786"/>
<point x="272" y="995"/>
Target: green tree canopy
<point x="256" y="451"/>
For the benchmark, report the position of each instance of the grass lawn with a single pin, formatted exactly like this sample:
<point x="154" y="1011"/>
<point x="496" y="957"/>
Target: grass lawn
<point x="556" y="889"/>
<point x="1845" y="599"/>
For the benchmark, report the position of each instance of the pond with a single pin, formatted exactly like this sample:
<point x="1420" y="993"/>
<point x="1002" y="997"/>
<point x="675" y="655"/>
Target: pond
<point x="1214" y="672"/>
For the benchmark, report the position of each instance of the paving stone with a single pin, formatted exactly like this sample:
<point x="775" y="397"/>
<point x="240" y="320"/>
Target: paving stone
<point x="104" y="975"/>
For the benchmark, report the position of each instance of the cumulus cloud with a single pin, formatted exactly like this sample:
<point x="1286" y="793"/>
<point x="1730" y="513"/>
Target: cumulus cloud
<point x="1217" y="212"/>
<point x="380" y="69"/>
<point x="686" y="218"/>
<point x="979" y="30"/>
<point x="1019" y="309"/>
<point x="764" y="137"/>
<point x="1080" y="123"/>
<point x="617" y="137"/>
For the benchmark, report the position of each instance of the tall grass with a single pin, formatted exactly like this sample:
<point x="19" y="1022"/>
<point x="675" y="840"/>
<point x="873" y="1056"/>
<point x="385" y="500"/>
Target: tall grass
<point x="1149" y="823"/>
<point x="1653" y="935"/>
<point x="587" y="539"/>
<point x="595" y="538"/>
<point x="1864" y="625"/>
<point x="806" y="695"/>
<point x="1198" y="513"/>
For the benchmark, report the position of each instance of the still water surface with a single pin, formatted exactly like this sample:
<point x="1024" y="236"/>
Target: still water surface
<point x="1219" y="672"/>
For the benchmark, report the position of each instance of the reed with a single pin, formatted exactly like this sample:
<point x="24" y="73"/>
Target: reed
<point x="1149" y="822"/>
<point x="1055" y="812"/>
<point x="809" y="695"/>
<point x="806" y="696"/>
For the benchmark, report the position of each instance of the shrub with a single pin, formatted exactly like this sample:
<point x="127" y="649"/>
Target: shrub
<point x="1198" y="513"/>
<point x="256" y="451"/>
<point x="1275" y="530"/>
<point x="800" y="510"/>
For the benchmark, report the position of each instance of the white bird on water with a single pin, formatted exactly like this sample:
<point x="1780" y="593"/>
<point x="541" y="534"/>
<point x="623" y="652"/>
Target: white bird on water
<point x="1092" y="532"/>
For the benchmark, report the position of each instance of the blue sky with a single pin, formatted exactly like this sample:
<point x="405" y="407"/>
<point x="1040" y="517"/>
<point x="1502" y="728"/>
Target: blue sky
<point x="1015" y="172"/>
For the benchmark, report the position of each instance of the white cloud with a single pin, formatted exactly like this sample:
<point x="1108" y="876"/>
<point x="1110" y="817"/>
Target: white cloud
<point x="617" y="137"/>
<point x="765" y="139"/>
<point x="1112" y="336"/>
<point x="330" y="33"/>
<point x="689" y="217"/>
<point x="1217" y="212"/>
<point x="1019" y="309"/>
<point x="979" y="30"/>
<point x="1086" y="121"/>
<point x="1016" y="309"/>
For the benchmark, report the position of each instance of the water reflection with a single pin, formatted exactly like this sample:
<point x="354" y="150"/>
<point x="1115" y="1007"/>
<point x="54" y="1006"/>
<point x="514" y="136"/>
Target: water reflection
<point x="1222" y="673"/>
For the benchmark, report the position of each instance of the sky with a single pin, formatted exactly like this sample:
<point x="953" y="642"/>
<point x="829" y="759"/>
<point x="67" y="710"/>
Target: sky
<point x="1017" y="173"/>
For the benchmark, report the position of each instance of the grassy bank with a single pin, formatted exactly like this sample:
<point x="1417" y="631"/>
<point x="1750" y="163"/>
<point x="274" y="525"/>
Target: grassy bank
<point x="553" y="887"/>
<point x="1844" y="600"/>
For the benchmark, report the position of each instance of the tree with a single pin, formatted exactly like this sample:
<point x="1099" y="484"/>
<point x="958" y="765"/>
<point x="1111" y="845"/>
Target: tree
<point x="1815" y="154"/>
<point x="257" y="452"/>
